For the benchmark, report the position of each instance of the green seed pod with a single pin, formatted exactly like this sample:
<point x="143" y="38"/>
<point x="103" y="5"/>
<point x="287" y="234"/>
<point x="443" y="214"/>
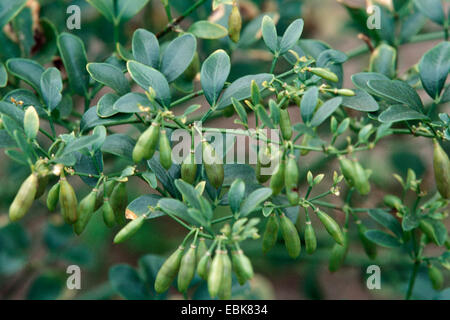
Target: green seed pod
<point x="168" y="271"/>
<point x="165" y="150"/>
<point x="187" y="269"/>
<point x="234" y="24"/>
<point x="270" y="233"/>
<point x="192" y="70"/>
<point x="392" y="201"/>
<point x="108" y="213"/>
<point x="346" y="92"/>
<point x="146" y="145"/>
<point x="369" y="247"/>
<point x="203" y="266"/>
<point x="285" y="124"/>
<point x="119" y="202"/>
<point x="290" y="236"/>
<point x="52" y="197"/>
<point x="305" y="143"/>
<point x="213" y="166"/>
<point x="85" y="210"/>
<point x="68" y="201"/>
<point x="435" y="275"/>
<point x="441" y="165"/>
<point x="42" y="185"/>
<point x="226" y="281"/>
<point x="324" y="74"/>
<point x="263" y="161"/>
<point x="202" y="249"/>
<point x="24" y="198"/>
<point x="189" y="169"/>
<point x="348" y="170"/>
<point x="277" y="180"/>
<point x="242" y="266"/>
<point x="331" y="226"/>
<point x="291" y="174"/>
<point x="105" y="190"/>
<point x="338" y="254"/>
<point x="292" y="197"/>
<point x="310" y="238"/>
<point x="362" y="183"/>
<point x="228" y="112"/>
<point x="428" y="230"/>
<point x="130" y="229"/>
<point x="215" y="274"/>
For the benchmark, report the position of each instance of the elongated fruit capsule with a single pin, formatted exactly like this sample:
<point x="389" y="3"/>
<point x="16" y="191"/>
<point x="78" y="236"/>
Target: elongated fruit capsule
<point x="168" y="271"/>
<point x="324" y="74"/>
<point x="369" y="247"/>
<point x="441" y="165"/>
<point x="270" y="233"/>
<point x="52" y="197"/>
<point x="104" y="192"/>
<point x="202" y="249"/>
<point x="68" y="201"/>
<point x="392" y="201"/>
<point x="85" y="210"/>
<point x="42" y="185"/>
<point x="290" y="236"/>
<point x="338" y="254"/>
<point x="348" y="170"/>
<point x="119" y="202"/>
<point x="292" y="197"/>
<point x="234" y="24"/>
<point x="428" y="229"/>
<point x="108" y="213"/>
<point x="146" y="145"/>
<point x="130" y="228"/>
<point x="189" y="168"/>
<point x="226" y="281"/>
<point x="242" y="266"/>
<point x="263" y="161"/>
<point x="187" y="269"/>
<point x="435" y="275"/>
<point x="291" y="174"/>
<point x="310" y="238"/>
<point x="24" y="198"/>
<point x="203" y="265"/>
<point x="213" y="166"/>
<point x="165" y="150"/>
<point x="277" y="180"/>
<point x="362" y="183"/>
<point x="331" y="226"/>
<point x="215" y="274"/>
<point x="285" y="124"/>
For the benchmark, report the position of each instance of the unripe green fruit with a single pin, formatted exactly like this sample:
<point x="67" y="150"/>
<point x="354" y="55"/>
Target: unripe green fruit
<point x="428" y="229"/>
<point x="435" y="275"/>
<point x="369" y="247"/>
<point x="52" y="197"/>
<point x="108" y="213"/>
<point x="277" y="180"/>
<point x="119" y="202"/>
<point x="361" y="181"/>
<point x="263" y="161"/>
<point x="213" y="166"/>
<point x="234" y="24"/>
<point x="348" y="170"/>
<point x="85" y="210"/>
<point x="189" y="169"/>
<point x="305" y="143"/>
<point x="290" y="236"/>
<point x="226" y="281"/>
<point x="146" y="145"/>
<point x="168" y="271"/>
<point x="324" y="74"/>
<point x="285" y="124"/>
<point x="68" y="201"/>
<point x="228" y="111"/>
<point x="441" y="165"/>
<point x="203" y="266"/>
<point x="24" y="198"/>
<point x="310" y="238"/>
<point x="338" y="254"/>
<point x="271" y="233"/>
<point x="187" y="269"/>
<point x="165" y="150"/>
<point x="202" y="249"/>
<point x="291" y="174"/>
<point x="242" y="266"/>
<point x="392" y="201"/>
<point x="331" y="226"/>
<point x="215" y="274"/>
<point x="42" y="185"/>
<point x="292" y="197"/>
<point x="130" y="229"/>
<point x="105" y="190"/>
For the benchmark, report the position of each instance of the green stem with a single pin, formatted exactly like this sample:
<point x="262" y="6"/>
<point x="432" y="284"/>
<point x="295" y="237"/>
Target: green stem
<point x="412" y="280"/>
